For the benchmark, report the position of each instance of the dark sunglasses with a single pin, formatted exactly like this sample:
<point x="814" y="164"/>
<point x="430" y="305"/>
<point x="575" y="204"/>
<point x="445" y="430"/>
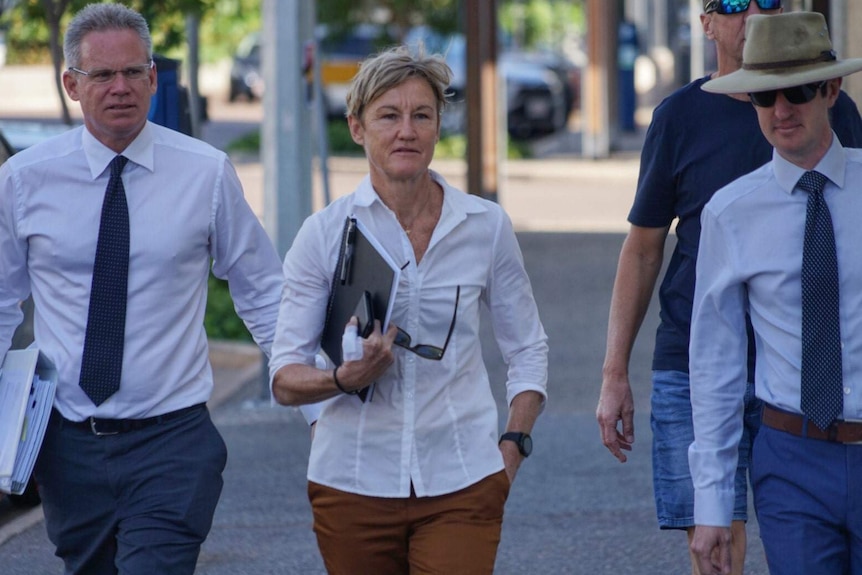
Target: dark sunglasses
<point x="795" y="95"/>
<point x="737" y="6"/>
<point x="403" y="339"/>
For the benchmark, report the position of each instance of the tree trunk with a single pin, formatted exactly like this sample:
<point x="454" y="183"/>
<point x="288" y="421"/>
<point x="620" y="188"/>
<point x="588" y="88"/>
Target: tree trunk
<point x="53" y="13"/>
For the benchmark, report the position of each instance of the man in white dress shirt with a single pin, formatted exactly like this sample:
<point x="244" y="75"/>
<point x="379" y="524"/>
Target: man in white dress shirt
<point x="129" y="476"/>
<point x="757" y="255"/>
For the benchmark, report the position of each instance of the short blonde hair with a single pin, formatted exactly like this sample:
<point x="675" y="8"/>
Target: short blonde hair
<point x="392" y="67"/>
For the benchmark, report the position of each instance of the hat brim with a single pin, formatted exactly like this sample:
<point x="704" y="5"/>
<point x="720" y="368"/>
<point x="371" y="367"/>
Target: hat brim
<point x="746" y="81"/>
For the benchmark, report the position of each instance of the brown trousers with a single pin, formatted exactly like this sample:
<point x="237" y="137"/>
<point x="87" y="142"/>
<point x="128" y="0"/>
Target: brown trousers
<point x="450" y="534"/>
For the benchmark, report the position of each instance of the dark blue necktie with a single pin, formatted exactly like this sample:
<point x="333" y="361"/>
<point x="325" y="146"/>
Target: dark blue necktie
<point x="822" y="399"/>
<point x="102" y="361"/>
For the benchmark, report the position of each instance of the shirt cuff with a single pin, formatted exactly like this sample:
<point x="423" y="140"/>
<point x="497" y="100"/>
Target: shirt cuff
<point x="713" y="507"/>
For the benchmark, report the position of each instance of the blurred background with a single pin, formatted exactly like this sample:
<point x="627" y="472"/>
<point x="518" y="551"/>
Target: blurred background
<point x="599" y="64"/>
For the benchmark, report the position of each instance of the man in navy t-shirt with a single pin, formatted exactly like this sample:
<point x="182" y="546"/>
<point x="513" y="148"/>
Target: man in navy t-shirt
<point x="697" y="143"/>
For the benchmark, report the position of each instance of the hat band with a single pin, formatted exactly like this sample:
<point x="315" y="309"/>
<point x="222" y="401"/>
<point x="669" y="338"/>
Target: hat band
<point x="825" y="56"/>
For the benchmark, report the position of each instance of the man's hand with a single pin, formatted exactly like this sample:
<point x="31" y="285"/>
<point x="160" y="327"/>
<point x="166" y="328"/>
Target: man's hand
<point x="616" y="405"/>
<point x="711" y="549"/>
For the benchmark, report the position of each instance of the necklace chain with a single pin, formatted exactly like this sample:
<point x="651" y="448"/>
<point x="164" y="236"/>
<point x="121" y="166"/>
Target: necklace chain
<point x="408" y="228"/>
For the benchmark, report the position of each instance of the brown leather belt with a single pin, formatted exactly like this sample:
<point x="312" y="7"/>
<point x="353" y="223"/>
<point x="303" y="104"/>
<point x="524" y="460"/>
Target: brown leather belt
<point x="839" y="432"/>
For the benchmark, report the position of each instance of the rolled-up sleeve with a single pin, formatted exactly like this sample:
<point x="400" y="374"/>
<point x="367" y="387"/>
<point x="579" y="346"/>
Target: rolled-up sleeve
<point x="515" y="317"/>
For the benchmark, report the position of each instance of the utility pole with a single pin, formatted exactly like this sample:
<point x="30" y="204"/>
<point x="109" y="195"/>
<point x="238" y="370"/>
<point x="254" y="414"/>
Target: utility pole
<point x="601" y="71"/>
<point x="287" y="26"/>
<point x="482" y="124"/>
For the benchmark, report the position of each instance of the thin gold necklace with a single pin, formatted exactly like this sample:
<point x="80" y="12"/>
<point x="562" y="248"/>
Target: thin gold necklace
<point x="408" y="228"/>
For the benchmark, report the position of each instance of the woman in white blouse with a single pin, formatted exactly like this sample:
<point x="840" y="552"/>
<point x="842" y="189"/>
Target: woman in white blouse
<point x="415" y="479"/>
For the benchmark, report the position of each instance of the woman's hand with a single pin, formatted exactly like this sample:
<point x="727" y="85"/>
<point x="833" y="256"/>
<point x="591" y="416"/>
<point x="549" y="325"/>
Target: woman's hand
<point x="377" y="356"/>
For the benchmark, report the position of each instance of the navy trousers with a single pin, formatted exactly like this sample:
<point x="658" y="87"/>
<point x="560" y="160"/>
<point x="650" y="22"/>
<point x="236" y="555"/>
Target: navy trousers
<point x="808" y="498"/>
<point x="136" y="503"/>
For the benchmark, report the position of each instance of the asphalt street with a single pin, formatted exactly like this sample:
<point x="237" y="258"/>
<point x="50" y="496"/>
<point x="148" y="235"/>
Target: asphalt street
<point x="573" y="508"/>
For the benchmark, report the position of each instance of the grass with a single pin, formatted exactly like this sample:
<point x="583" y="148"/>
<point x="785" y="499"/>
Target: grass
<point x="220" y="320"/>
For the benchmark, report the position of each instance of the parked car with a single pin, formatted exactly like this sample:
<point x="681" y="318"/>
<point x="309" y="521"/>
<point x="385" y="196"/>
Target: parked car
<point x="245" y="75"/>
<point x="20" y="134"/>
<point x="341" y="53"/>
<point x="535" y="98"/>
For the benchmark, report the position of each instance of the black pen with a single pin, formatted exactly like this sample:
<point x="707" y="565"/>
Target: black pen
<point x="347" y="260"/>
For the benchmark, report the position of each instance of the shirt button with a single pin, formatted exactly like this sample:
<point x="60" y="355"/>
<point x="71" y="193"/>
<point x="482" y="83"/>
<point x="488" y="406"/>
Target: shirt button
<point x="409" y="395"/>
<point x="846" y="391"/>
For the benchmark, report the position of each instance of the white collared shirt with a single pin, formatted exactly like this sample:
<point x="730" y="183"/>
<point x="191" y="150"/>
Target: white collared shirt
<point x="430" y="423"/>
<point x="750" y="259"/>
<point x="186" y="212"/>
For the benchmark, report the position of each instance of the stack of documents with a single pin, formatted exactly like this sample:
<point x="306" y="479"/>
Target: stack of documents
<point x="27" y="385"/>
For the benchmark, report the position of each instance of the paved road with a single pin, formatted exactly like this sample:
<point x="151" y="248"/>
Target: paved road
<point x="573" y="508"/>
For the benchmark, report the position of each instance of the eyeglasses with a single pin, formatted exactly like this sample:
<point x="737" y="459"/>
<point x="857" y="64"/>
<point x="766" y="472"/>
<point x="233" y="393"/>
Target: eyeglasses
<point x="403" y="339"/>
<point x="737" y="6"/>
<point x="104" y="76"/>
<point x="795" y="95"/>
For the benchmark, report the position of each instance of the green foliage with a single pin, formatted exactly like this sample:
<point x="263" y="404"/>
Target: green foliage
<point x="222" y="24"/>
<point x="221" y="321"/>
<point x="340" y="141"/>
<point x="442" y="15"/>
<point x="452" y="146"/>
<point x="540" y="23"/>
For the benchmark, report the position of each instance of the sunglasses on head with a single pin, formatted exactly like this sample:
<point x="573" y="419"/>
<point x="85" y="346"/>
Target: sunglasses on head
<point x="737" y="6"/>
<point x="403" y="339"/>
<point x="795" y="95"/>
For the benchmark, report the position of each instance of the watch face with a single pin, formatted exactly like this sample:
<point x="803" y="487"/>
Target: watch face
<point x="526" y="444"/>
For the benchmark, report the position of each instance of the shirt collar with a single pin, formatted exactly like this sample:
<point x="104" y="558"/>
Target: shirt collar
<point x="365" y="195"/>
<point x="830" y="165"/>
<point x="99" y="156"/>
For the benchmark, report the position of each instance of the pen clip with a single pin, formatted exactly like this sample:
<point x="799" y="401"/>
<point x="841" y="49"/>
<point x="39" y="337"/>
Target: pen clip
<point x="347" y="257"/>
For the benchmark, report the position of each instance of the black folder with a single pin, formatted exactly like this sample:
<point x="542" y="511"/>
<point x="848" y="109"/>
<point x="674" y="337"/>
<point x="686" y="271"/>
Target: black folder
<point x="362" y="266"/>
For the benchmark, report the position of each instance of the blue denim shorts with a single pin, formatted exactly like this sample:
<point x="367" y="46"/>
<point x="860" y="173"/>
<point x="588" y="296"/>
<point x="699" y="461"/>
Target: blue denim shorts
<point x="673" y="432"/>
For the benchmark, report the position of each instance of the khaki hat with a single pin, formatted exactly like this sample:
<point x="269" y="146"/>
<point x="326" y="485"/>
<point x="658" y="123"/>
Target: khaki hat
<point x="783" y="51"/>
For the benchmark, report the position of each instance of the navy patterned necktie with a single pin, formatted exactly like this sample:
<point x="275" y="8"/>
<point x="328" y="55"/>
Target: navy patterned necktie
<point x="102" y="361"/>
<point x="822" y="399"/>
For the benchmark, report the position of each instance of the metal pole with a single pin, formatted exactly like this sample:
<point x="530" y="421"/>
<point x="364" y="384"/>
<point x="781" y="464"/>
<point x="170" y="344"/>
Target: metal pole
<point x="285" y="151"/>
<point x="321" y="114"/>
<point x="288" y="26"/>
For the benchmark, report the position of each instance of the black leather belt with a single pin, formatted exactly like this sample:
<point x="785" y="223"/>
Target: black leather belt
<point x="795" y="424"/>
<point x="99" y="426"/>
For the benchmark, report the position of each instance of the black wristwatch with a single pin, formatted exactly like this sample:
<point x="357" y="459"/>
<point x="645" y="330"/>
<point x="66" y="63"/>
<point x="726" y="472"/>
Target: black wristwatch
<point x="522" y="440"/>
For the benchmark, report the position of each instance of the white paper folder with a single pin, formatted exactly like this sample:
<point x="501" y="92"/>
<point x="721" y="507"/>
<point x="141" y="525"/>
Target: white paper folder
<point x="28" y="381"/>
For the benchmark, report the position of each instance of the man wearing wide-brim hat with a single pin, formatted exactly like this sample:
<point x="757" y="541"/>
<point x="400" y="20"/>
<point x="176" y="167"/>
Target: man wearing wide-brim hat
<point x="782" y="243"/>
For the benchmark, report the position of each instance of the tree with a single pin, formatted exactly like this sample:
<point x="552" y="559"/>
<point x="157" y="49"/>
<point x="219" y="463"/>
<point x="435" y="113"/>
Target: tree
<point x="54" y="10"/>
<point x="167" y="20"/>
<point x="442" y="15"/>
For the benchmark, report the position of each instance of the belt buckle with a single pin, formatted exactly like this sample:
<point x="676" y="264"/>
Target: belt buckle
<point x="98" y="433"/>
